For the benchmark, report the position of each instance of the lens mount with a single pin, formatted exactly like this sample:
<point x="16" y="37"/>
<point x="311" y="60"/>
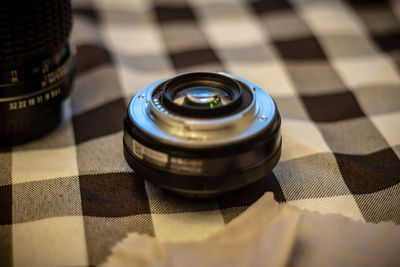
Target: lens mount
<point x="202" y="94"/>
<point x="201" y="156"/>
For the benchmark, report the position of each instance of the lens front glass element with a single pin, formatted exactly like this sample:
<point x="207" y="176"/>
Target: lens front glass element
<point x="204" y="97"/>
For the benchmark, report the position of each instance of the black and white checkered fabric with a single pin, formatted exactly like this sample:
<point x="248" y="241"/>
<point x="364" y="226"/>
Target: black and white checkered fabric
<point x="332" y="66"/>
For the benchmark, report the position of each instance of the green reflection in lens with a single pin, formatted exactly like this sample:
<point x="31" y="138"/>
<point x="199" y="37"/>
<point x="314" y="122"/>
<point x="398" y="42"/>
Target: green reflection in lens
<point x="202" y="96"/>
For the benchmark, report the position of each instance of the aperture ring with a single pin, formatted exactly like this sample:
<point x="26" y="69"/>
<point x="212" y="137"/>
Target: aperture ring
<point x="58" y="89"/>
<point x="35" y="73"/>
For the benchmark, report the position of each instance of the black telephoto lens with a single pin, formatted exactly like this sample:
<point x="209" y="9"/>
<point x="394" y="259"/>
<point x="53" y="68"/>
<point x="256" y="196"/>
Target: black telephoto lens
<point x="202" y="134"/>
<point x="36" y="67"/>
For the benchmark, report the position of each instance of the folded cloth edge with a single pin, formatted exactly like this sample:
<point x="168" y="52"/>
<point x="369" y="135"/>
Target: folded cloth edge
<point x="272" y="234"/>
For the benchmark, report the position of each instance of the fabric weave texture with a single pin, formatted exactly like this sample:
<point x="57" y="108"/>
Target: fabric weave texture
<point x="332" y="67"/>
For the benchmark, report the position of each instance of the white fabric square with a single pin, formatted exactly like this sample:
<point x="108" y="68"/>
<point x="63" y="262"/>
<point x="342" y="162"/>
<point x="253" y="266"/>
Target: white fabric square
<point x="134" y="80"/>
<point x="199" y="3"/>
<point x="329" y="18"/>
<point x="389" y="126"/>
<point x="234" y="31"/>
<point x="128" y="30"/>
<point x="344" y="205"/>
<point x="301" y="138"/>
<point x="173" y="222"/>
<point x="34" y="165"/>
<point x="187" y="226"/>
<point x="123" y="5"/>
<point x="270" y="76"/>
<point x="134" y="39"/>
<point x="366" y="70"/>
<point x="56" y="241"/>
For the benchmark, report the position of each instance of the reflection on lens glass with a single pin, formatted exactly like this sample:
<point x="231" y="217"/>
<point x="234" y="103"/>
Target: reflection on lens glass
<point x="203" y="97"/>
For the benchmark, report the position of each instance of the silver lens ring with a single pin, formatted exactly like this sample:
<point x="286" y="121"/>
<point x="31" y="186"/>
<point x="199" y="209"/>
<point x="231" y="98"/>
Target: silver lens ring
<point x="152" y="117"/>
<point x="197" y="155"/>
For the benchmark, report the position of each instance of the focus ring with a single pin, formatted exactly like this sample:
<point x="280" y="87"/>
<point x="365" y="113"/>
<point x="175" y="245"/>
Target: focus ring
<point x="30" y="28"/>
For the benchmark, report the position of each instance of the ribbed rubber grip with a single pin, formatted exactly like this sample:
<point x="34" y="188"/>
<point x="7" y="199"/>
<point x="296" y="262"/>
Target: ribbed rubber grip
<point x="34" y="27"/>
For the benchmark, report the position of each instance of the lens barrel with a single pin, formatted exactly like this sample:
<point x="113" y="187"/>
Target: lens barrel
<point x="36" y="67"/>
<point x="202" y="155"/>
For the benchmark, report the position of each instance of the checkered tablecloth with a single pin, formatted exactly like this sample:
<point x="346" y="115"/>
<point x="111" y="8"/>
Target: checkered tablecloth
<point x="332" y="66"/>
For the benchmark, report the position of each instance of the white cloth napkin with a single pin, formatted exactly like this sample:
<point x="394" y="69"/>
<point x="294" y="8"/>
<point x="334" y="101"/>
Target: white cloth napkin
<point x="270" y="234"/>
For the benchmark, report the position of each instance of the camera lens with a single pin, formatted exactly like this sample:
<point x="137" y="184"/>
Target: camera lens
<point x="202" y="134"/>
<point x="36" y="67"/>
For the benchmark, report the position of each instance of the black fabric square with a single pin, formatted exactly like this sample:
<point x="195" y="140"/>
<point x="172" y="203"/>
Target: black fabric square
<point x="365" y="174"/>
<point x="332" y="107"/>
<point x="104" y="120"/>
<point x="388" y="42"/>
<point x="165" y="202"/>
<point x="91" y="56"/>
<point x="5" y="166"/>
<point x="6" y="245"/>
<point x="265" y="6"/>
<point x="174" y="13"/>
<point x="300" y="49"/>
<point x="367" y="3"/>
<point x="249" y="194"/>
<point x="103" y="233"/>
<point x="194" y="57"/>
<point x="381" y="206"/>
<point x="113" y="195"/>
<point x="5" y="205"/>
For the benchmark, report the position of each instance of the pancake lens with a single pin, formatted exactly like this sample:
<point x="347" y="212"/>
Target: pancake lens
<point x="199" y="134"/>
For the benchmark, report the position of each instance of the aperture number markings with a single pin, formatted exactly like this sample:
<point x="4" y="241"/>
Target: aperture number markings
<point x="34" y="100"/>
